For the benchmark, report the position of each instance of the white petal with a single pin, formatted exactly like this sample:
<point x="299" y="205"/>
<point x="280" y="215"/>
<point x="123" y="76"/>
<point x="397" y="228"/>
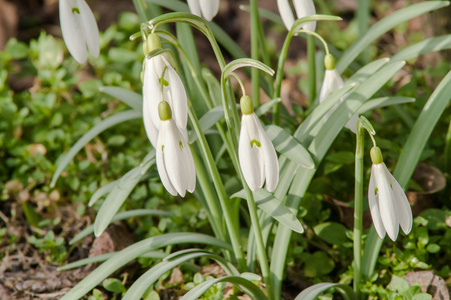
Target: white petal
<point x="209" y="8"/>
<point x="178" y="159"/>
<point x="194" y="7"/>
<point x="162" y="167"/>
<point x="373" y="202"/>
<point x="305" y="8"/>
<point x="151" y="89"/>
<point x="269" y="157"/>
<point x="404" y="210"/>
<point x="387" y="205"/>
<point x="90" y="29"/>
<point x="179" y="102"/>
<point x="332" y="82"/>
<point x="286" y="13"/>
<point x="72" y="31"/>
<point x="151" y="130"/>
<point x="249" y="157"/>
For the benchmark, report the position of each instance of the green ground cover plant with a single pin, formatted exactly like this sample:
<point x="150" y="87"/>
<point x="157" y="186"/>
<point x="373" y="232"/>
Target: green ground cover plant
<point x="226" y="171"/>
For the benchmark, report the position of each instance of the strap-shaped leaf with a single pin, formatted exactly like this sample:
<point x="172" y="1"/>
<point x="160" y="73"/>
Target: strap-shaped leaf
<point x="101" y="192"/>
<point x="311" y="293"/>
<point x="131" y="252"/>
<point x="139" y="287"/>
<point x="385" y="25"/>
<point x="122" y="216"/>
<point x="132" y="99"/>
<point x="120" y="192"/>
<point x="266" y="107"/>
<point x="275" y="208"/>
<point x="208" y="120"/>
<point x="250" y="288"/>
<point x="430" y="45"/>
<point x="96" y="130"/>
<point x="287" y="145"/>
<point x="382" y="102"/>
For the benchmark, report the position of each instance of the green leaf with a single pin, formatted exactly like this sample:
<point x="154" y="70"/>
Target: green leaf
<point x="250" y="288"/>
<point x="341" y="157"/>
<point x="422" y="296"/>
<point x="96" y="130"/>
<point x="208" y="120"/>
<point x="316" y="290"/>
<point x="140" y="286"/>
<point x="398" y="284"/>
<point x="102" y="191"/>
<point x="131" y="252"/>
<point x="120" y="192"/>
<point x="132" y="99"/>
<point x="422" y="130"/>
<point x="371" y="253"/>
<point x="275" y="208"/>
<point x="318" y="264"/>
<point x="382" y="102"/>
<point x="113" y="285"/>
<point x="383" y="26"/>
<point x="436" y="218"/>
<point x="429" y="45"/>
<point x="286" y="145"/>
<point x="122" y="216"/>
<point x="331" y="232"/>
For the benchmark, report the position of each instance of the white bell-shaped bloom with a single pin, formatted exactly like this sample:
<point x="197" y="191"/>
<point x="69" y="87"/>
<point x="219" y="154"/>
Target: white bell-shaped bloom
<point x="388" y="203"/>
<point x="161" y="82"/>
<point x="256" y="153"/>
<point x="204" y="8"/>
<point x="79" y="29"/>
<point x="303" y="8"/>
<point x="174" y="159"/>
<point x="332" y="82"/>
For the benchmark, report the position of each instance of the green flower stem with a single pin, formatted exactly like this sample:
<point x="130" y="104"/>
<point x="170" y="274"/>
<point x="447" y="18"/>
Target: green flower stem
<point x="311" y="67"/>
<point x="279" y="76"/>
<point x="261" y="251"/>
<point x="358" y="208"/>
<point x="210" y="197"/>
<point x="255" y="19"/>
<point x="231" y="222"/>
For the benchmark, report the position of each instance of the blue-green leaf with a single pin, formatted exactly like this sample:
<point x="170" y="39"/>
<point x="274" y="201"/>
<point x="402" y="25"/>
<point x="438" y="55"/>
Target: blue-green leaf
<point x="132" y="99"/>
<point x="311" y="293"/>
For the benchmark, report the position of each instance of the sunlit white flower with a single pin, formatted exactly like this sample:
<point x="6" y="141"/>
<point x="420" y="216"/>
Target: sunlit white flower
<point x="161" y="82"/>
<point x="332" y="82"/>
<point x="174" y="159"/>
<point x="206" y="8"/>
<point x="303" y="8"/>
<point x="388" y="203"/>
<point x="79" y="28"/>
<point x="258" y="159"/>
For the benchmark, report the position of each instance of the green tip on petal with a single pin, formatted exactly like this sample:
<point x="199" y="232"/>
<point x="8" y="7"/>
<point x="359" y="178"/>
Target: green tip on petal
<point x="153" y="42"/>
<point x="329" y="62"/>
<point x="164" y="111"/>
<point x="247" y="107"/>
<point x="75" y="10"/>
<point x="376" y="155"/>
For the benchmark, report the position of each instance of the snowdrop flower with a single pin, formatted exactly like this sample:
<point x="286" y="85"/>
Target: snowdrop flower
<point x="303" y="8"/>
<point x="388" y="203"/>
<point x="79" y="28"/>
<point x="206" y="8"/>
<point x="332" y="82"/>
<point x="258" y="159"/>
<point x="174" y="159"/>
<point x="161" y="82"/>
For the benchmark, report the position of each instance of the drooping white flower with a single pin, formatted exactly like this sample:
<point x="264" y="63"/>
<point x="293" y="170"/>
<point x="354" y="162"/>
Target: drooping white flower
<point x="303" y="8"/>
<point x="174" y="159"/>
<point x="161" y="82"/>
<point x="204" y="8"/>
<point x="388" y="203"/>
<point x="258" y="159"/>
<point x="332" y="82"/>
<point x="79" y="29"/>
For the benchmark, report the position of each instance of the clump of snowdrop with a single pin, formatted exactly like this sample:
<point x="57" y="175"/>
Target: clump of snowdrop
<point x="388" y="203"/>
<point x="257" y="156"/>
<point x="165" y="115"/>
<point x="207" y="9"/>
<point x="332" y="82"/>
<point x="303" y="8"/>
<point x="79" y="29"/>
